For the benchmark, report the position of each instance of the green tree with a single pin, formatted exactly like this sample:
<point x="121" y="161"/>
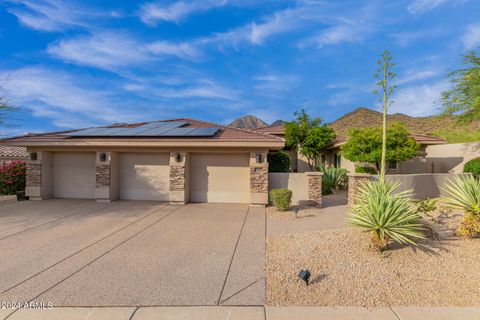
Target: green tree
<point x="385" y="77"/>
<point x="464" y="97"/>
<point x="310" y="136"/>
<point x="365" y="145"/>
<point x="5" y="109"/>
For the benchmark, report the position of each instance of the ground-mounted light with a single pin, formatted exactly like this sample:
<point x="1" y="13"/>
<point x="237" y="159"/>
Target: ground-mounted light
<point x="304" y="275"/>
<point x="258" y="157"/>
<point x="296" y="213"/>
<point x="103" y="157"/>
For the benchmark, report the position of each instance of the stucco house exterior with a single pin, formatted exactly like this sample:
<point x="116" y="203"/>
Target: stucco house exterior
<point x="179" y="160"/>
<point x="333" y="157"/>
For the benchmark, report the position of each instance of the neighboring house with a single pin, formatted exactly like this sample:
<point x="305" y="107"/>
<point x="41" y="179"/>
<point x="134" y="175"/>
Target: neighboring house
<point x="333" y="158"/>
<point x="181" y="160"/>
<point x="9" y="154"/>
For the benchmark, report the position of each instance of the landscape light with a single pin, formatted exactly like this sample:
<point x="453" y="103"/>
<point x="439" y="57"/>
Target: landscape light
<point x="296" y="212"/>
<point x="304" y="275"/>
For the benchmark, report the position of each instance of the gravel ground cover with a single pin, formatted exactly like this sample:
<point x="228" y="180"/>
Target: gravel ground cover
<point x="443" y="270"/>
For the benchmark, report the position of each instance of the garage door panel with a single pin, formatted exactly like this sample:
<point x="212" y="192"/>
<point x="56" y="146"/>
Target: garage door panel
<point x="144" y="176"/>
<point x="74" y="175"/>
<point x="220" y="178"/>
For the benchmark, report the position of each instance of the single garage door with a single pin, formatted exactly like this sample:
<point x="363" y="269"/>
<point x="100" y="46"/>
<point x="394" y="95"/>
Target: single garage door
<point x="74" y="175"/>
<point x="220" y="178"/>
<point x="144" y="176"/>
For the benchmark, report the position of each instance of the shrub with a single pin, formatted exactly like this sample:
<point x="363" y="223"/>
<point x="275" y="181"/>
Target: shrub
<point x="370" y="170"/>
<point x="12" y="178"/>
<point x="465" y="195"/>
<point x="281" y="198"/>
<point x="473" y="167"/>
<point x="332" y="178"/>
<point x="426" y="205"/>
<point x="278" y="162"/>
<point x="386" y="215"/>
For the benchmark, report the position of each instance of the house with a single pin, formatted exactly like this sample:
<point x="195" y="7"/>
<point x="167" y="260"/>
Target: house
<point x="9" y="154"/>
<point x="333" y="158"/>
<point x="179" y="160"/>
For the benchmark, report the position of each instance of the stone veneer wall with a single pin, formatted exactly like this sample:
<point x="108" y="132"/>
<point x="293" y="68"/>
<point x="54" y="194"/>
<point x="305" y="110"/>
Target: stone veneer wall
<point x="315" y="188"/>
<point x="177" y="177"/>
<point x="259" y="178"/>
<point x="354" y="181"/>
<point x="34" y="175"/>
<point x="103" y="175"/>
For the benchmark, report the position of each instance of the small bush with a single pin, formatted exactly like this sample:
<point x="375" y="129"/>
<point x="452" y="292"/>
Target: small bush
<point x="426" y="205"/>
<point x="281" y="198"/>
<point x="278" y="162"/>
<point x="473" y="167"/>
<point x="370" y="170"/>
<point x="332" y="178"/>
<point x="12" y="178"/>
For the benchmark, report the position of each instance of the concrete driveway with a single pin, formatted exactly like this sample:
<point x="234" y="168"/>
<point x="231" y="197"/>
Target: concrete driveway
<point x="131" y="253"/>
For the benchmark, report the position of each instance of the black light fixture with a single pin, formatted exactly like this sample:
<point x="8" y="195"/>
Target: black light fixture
<point x="33" y="156"/>
<point x="304" y="275"/>
<point x="296" y="213"/>
<point x="258" y="157"/>
<point x="103" y="157"/>
<point x="178" y="157"/>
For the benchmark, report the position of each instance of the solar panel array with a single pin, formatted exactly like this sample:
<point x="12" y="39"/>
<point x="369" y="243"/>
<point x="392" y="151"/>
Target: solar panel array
<point x="152" y="129"/>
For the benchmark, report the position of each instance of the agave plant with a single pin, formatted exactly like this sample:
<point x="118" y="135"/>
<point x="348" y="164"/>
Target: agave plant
<point x="465" y="195"/>
<point x="388" y="215"/>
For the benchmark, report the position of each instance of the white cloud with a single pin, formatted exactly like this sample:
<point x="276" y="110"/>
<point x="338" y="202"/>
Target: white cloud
<point x="406" y="38"/>
<point x="414" y="75"/>
<point x="53" y="15"/>
<point x="109" y="50"/>
<point x="272" y="84"/>
<point x="336" y="35"/>
<point x="471" y="39"/>
<point x="153" y="12"/>
<point x="422" y="6"/>
<point x="59" y="96"/>
<point x="423" y="100"/>
<point x="205" y="89"/>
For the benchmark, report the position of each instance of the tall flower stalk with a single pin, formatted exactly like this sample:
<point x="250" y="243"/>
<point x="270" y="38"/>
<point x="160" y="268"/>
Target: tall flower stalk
<point x="385" y="76"/>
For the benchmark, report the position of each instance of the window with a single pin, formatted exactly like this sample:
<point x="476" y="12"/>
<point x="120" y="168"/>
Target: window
<point x="337" y="160"/>
<point x="393" y="165"/>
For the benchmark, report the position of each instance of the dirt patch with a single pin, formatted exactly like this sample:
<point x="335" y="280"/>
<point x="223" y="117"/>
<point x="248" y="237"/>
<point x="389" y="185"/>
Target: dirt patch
<point x="443" y="270"/>
<point x="303" y="212"/>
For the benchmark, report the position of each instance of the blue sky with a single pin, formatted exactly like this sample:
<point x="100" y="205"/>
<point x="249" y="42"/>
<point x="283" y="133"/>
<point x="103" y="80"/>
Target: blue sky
<point x="81" y="63"/>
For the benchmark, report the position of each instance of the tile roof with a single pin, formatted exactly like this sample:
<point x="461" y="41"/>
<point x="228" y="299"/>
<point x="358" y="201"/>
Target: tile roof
<point x="13" y="152"/>
<point x="225" y="133"/>
<point x="277" y="129"/>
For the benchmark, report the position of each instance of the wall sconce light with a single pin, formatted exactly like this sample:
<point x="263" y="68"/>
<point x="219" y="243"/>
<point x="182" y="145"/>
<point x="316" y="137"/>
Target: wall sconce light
<point x="103" y="157"/>
<point x="178" y="157"/>
<point x="258" y="157"/>
<point x="33" y="156"/>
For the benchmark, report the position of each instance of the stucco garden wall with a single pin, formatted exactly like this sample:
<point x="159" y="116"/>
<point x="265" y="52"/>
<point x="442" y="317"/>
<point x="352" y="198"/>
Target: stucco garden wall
<point x="297" y="182"/>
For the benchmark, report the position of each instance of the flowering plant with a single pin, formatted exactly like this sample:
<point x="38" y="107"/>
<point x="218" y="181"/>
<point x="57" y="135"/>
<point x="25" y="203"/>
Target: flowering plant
<point x="12" y="177"/>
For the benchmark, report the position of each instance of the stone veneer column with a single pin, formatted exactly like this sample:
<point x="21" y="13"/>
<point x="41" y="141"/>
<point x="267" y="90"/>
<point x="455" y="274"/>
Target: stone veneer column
<point x="39" y="175"/>
<point x="258" y="178"/>
<point x="315" y="188"/>
<point x="106" y="176"/>
<point x="179" y="178"/>
<point x="354" y="181"/>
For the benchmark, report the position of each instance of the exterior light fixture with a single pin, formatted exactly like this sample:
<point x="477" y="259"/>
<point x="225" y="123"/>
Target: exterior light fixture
<point x="33" y="156"/>
<point x="258" y="157"/>
<point x="296" y="212"/>
<point x="178" y="157"/>
<point x="103" y="157"/>
<point x="304" y="275"/>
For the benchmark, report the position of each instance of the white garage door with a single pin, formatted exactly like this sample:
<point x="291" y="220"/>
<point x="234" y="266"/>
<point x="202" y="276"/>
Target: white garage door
<point x="220" y="178"/>
<point x="74" y="175"/>
<point x="144" y="176"/>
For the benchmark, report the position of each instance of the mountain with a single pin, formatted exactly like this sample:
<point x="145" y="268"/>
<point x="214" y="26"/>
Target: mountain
<point x="278" y="122"/>
<point x="363" y="117"/>
<point x="248" y="122"/>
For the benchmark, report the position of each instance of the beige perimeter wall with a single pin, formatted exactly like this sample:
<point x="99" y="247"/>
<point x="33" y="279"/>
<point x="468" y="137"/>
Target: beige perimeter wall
<point x="424" y="185"/>
<point x="297" y="182"/>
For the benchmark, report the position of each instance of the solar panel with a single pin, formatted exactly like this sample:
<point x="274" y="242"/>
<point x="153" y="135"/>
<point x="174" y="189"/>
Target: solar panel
<point x="83" y="132"/>
<point x="158" y="131"/>
<point x="177" y="132"/>
<point x="145" y="127"/>
<point x="203" y="132"/>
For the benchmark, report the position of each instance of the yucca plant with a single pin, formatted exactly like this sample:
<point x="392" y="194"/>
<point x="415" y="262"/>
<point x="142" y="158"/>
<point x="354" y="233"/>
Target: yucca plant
<point x="389" y="216"/>
<point x="465" y="195"/>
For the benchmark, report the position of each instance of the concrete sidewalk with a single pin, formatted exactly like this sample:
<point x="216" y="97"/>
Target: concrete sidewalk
<point x="251" y="313"/>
